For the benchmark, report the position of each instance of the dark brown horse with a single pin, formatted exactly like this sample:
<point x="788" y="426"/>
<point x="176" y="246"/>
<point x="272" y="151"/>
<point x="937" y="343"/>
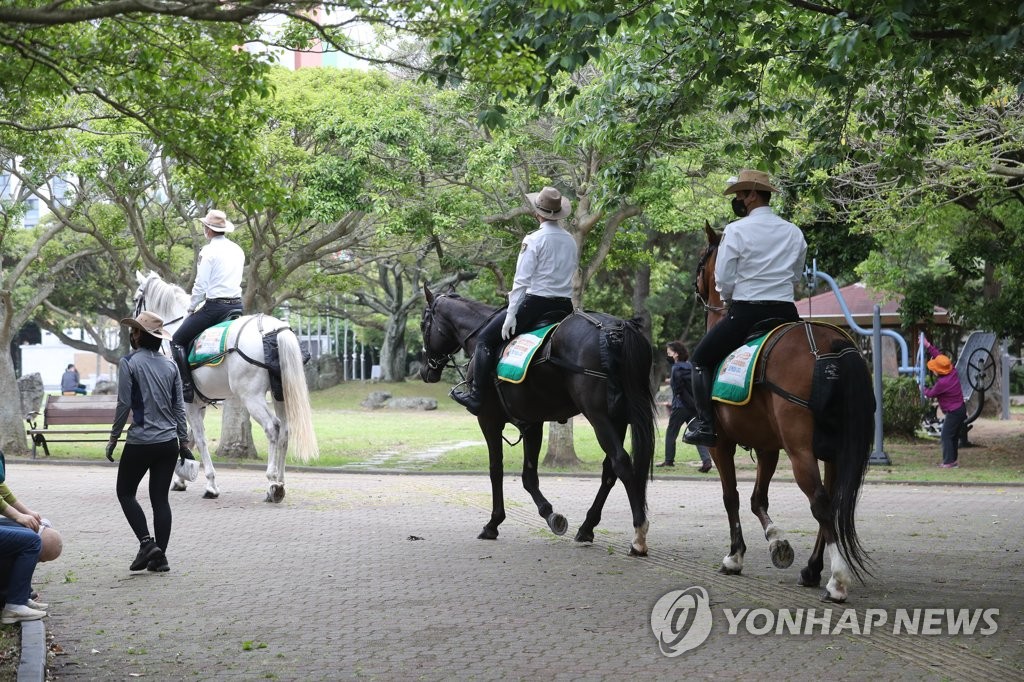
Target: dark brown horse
<point x="593" y="364"/>
<point x="783" y="414"/>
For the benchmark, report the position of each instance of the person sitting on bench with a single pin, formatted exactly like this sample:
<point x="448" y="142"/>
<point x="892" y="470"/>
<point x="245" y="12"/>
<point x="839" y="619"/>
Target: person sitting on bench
<point x="70" y="382"/>
<point x="216" y="294"/>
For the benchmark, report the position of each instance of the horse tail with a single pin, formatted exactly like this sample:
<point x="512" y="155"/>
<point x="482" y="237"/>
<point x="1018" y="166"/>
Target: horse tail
<point x="301" y="437"/>
<point x="854" y="411"/>
<point x="635" y="379"/>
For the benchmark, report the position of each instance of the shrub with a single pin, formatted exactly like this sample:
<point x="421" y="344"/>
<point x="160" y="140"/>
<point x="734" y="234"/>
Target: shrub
<point x="902" y="407"/>
<point x="1017" y="380"/>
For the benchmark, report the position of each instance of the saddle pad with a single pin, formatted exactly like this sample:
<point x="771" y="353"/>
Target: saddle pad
<point x="208" y="348"/>
<point x="734" y="378"/>
<point x="516" y="356"/>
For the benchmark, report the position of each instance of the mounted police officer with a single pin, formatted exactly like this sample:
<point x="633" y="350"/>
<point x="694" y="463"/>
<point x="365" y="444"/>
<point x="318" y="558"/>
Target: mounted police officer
<point x="542" y="288"/>
<point x="760" y="259"/>
<point x="216" y="294"/>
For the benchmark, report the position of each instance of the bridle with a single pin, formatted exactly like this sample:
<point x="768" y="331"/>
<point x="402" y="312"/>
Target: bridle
<point x="140" y="301"/>
<point x="437" y="362"/>
<point x="701" y="267"/>
<point x="440" y="360"/>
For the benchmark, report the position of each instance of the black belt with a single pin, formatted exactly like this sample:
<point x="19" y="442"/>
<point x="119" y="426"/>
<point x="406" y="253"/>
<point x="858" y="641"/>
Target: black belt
<point x="764" y="302"/>
<point x="224" y="300"/>
<point x="549" y="298"/>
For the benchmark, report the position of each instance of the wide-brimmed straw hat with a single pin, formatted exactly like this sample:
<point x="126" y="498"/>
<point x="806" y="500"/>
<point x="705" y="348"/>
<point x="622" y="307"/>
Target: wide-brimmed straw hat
<point x="148" y="322"/>
<point x="941" y="365"/>
<point x="750" y="179"/>
<point x="550" y="203"/>
<point x="218" y="222"/>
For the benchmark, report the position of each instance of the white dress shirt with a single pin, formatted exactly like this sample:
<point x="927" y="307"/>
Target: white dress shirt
<point x="219" y="275"/>
<point x="760" y="258"/>
<point x="546" y="266"/>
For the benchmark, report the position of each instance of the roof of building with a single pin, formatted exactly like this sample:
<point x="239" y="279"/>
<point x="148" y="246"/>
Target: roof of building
<point x="861" y="302"/>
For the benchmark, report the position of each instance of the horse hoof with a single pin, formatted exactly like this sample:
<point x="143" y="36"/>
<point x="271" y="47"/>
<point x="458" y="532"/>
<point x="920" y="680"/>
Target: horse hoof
<point x="782" y="553"/>
<point x="584" y="536"/>
<point x="487" y="534"/>
<point x="275" y="494"/>
<point x="557" y="523"/>
<point x="208" y="495"/>
<point x="729" y="571"/>
<point x="829" y="598"/>
<point x="633" y="551"/>
<point x="177" y="487"/>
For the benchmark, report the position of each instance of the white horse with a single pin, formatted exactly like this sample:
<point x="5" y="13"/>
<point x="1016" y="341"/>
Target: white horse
<point x="239" y="375"/>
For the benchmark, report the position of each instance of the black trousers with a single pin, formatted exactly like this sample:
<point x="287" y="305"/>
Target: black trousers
<point x="212" y="312"/>
<point x="731" y="332"/>
<point x="533" y="310"/>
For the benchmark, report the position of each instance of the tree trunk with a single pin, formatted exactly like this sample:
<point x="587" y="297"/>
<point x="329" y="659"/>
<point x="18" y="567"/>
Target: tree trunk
<point x="392" y="349"/>
<point x="236" y="432"/>
<point x="12" y="421"/>
<point x="561" y="448"/>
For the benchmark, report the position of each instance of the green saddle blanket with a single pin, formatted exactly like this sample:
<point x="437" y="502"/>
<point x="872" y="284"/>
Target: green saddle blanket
<point x="515" y="358"/>
<point x="210" y="347"/>
<point x="734" y="378"/>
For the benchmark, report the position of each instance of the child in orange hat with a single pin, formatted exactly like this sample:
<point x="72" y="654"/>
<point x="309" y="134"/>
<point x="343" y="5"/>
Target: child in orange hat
<point x="947" y="391"/>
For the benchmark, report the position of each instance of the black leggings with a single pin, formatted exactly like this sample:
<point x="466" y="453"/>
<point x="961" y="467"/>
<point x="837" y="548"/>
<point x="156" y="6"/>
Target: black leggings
<point x="158" y="459"/>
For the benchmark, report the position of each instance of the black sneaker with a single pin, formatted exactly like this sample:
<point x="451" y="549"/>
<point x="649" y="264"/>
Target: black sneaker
<point x="666" y="464"/>
<point x="705" y="467"/>
<point x="159" y="564"/>
<point x="147" y="550"/>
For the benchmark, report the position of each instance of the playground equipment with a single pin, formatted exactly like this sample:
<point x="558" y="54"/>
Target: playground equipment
<point x="977" y="370"/>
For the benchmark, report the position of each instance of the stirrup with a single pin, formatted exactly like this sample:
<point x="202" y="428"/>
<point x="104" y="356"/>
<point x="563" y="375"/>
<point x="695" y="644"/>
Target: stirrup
<point x="699" y="433"/>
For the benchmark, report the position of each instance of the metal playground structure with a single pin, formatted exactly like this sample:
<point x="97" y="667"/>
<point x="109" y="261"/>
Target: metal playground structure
<point x="975" y="364"/>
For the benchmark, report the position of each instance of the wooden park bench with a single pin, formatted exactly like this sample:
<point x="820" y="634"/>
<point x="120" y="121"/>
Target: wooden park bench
<point x="69" y="414"/>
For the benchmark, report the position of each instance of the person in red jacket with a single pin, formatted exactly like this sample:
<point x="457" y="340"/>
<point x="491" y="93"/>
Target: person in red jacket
<point x="946" y="390"/>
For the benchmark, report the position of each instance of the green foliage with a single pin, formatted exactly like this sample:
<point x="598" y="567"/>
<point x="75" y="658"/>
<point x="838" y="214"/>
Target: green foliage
<point x="1017" y="380"/>
<point x="902" y="407"/>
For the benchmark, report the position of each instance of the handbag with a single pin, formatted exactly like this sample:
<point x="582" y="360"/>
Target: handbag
<point x="186" y="469"/>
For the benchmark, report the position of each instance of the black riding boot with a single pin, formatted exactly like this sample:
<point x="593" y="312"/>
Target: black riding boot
<point x="482" y="370"/>
<point x="701" y="429"/>
<point x="181" y="359"/>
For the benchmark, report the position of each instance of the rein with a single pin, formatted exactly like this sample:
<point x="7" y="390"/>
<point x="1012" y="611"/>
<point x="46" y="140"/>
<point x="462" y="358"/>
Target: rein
<point x="701" y="267"/>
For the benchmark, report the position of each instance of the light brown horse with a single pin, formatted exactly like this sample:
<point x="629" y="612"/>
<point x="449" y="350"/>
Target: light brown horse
<point x="834" y="426"/>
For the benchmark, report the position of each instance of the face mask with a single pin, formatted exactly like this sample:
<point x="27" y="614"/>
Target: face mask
<point x="738" y="207"/>
<point x="133" y="341"/>
<point x="671" y="360"/>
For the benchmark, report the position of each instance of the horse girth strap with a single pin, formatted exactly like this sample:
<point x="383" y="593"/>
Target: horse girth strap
<point x="602" y="329"/>
<point x="808" y="327"/>
<point x="573" y="367"/>
<point x="262" y="332"/>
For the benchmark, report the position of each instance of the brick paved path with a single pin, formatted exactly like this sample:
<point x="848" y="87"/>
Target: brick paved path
<point x="329" y="584"/>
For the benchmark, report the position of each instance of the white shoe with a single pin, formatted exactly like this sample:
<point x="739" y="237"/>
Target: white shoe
<point x="16" y="613"/>
<point x="37" y="605"/>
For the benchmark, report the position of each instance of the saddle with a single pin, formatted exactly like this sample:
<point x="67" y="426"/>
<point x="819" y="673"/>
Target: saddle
<point x="516" y="355"/>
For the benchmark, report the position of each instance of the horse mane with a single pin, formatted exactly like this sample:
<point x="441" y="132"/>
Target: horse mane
<point x="165" y="296"/>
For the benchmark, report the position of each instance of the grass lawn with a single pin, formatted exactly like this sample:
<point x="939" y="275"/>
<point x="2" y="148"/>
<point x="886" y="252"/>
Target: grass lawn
<point x="448" y="439"/>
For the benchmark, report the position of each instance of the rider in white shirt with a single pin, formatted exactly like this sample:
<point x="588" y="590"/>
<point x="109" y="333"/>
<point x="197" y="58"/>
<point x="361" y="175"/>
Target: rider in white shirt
<point x="541" y="289"/>
<point x="216" y="294"/>
<point x="760" y="259"/>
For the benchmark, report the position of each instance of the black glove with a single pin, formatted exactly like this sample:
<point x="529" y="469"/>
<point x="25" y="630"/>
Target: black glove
<point x="184" y="453"/>
<point x="110" y="450"/>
